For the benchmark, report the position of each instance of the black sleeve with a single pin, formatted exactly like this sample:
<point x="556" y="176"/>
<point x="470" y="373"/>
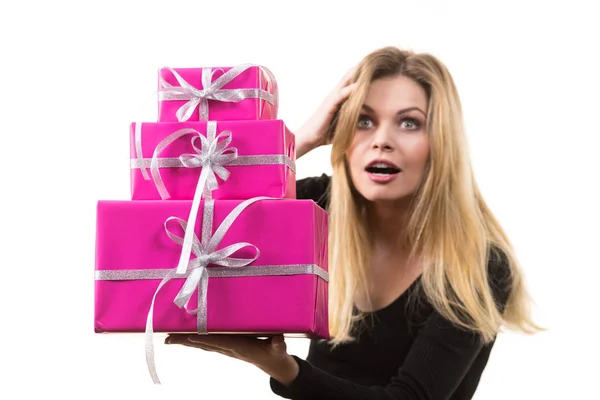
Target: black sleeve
<point x="439" y="359"/>
<point x="314" y="188"/>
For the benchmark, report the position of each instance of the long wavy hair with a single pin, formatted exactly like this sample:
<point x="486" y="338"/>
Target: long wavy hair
<point x="450" y="226"/>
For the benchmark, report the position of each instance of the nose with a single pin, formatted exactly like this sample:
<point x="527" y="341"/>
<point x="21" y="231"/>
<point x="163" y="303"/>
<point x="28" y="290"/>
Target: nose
<point x="382" y="139"/>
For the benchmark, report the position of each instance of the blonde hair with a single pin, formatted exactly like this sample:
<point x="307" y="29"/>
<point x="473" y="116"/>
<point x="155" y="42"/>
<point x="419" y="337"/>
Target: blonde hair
<point x="450" y="225"/>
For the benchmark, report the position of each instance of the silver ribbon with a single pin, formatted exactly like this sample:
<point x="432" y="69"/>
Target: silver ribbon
<point x="196" y="274"/>
<point x="214" y="272"/>
<point x="212" y="91"/>
<point x="175" y="162"/>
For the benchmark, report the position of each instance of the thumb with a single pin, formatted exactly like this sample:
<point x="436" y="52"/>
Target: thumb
<point x="278" y="342"/>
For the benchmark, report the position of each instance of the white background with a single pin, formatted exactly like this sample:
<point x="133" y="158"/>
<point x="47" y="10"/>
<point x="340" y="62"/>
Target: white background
<point x="73" y="76"/>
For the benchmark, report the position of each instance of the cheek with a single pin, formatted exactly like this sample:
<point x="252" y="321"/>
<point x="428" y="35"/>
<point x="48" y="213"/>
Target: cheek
<point x="420" y="153"/>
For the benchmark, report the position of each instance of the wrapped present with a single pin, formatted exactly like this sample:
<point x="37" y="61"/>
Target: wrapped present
<point x="244" y="159"/>
<point x="243" y="92"/>
<point x="259" y="266"/>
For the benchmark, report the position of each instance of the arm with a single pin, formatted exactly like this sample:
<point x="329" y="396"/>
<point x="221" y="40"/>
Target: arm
<point x="439" y="359"/>
<point x="436" y="364"/>
<point x="305" y="143"/>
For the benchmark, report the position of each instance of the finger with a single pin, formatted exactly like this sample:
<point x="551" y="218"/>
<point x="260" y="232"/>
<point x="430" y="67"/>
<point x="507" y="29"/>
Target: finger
<point x="237" y="341"/>
<point x="345" y="92"/>
<point x="214" y="349"/>
<point x="176" y="338"/>
<point x="188" y="341"/>
<point x="183" y="337"/>
<point x="226" y="341"/>
<point x="347" y="78"/>
<point x="234" y="347"/>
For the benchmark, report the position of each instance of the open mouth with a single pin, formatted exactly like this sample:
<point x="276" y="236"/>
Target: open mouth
<point x="382" y="168"/>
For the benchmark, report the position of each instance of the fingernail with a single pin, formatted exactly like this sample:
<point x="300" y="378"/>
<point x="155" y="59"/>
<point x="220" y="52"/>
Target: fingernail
<point x="168" y="340"/>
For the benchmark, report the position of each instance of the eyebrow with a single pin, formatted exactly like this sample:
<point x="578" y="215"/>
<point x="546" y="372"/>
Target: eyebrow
<point x="404" y="110"/>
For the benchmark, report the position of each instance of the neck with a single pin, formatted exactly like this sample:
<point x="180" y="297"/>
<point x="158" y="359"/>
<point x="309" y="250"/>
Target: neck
<point x="388" y="221"/>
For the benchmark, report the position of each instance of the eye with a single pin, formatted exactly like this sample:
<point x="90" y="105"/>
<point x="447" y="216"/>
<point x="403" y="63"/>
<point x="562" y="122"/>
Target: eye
<point x="364" y="122"/>
<point x="410" y="123"/>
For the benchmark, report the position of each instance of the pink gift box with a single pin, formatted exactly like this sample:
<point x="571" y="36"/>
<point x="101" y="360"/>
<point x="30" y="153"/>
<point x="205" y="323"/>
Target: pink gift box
<point x="131" y="236"/>
<point x="276" y="178"/>
<point x="254" y="77"/>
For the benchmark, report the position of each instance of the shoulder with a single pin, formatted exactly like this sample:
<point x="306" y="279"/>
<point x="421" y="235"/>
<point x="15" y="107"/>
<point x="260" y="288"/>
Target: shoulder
<point x="500" y="285"/>
<point x="314" y="188"/>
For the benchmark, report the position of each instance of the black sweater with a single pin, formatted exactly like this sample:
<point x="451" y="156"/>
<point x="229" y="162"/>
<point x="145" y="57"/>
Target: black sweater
<point x="404" y="351"/>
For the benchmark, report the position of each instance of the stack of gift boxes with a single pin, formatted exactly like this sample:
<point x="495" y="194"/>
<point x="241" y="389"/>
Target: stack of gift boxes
<point x="213" y="239"/>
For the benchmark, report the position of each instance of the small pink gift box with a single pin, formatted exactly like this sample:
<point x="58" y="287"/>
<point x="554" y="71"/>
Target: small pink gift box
<point x="283" y="289"/>
<point x="263" y="165"/>
<point x="243" y="92"/>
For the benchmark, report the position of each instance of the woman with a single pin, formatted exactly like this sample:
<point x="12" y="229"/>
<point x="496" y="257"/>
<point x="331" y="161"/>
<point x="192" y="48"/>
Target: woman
<point x="422" y="274"/>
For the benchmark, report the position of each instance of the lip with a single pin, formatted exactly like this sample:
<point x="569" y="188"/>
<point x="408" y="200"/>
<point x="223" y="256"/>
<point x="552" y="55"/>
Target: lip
<point x="382" y="178"/>
<point x="383" y="160"/>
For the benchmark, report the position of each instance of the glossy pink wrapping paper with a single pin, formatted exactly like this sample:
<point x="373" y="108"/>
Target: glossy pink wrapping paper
<point x="250" y="138"/>
<point x="247" y="109"/>
<point x="131" y="235"/>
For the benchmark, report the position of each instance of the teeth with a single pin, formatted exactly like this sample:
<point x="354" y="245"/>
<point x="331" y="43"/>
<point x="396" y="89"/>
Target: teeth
<point x="381" y="165"/>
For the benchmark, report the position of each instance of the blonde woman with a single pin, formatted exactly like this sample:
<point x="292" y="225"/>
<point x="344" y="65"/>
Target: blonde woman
<point x="422" y="275"/>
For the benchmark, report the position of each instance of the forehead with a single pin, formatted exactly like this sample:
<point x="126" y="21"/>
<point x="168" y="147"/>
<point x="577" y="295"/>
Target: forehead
<point x="395" y="93"/>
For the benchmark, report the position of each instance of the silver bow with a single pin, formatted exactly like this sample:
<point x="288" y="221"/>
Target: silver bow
<point x="211" y="91"/>
<point x="212" y="155"/>
<point x="206" y="254"/>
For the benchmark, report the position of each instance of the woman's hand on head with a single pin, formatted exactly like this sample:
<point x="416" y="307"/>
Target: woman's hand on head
<point x="270" y="355"/>
<point x="315" y="131"/>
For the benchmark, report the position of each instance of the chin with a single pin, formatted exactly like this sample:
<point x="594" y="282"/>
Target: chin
<point x="384" y="194"/>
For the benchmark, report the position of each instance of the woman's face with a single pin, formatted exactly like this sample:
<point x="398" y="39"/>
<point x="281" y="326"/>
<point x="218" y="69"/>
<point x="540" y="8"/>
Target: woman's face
<point x="389" y="152"/>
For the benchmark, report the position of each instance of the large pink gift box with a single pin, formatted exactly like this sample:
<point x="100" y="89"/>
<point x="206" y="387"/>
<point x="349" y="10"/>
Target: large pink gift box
<point x="265" y="163"/>
<point x="134" y="252"/>
<point x="249" y="93"/>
